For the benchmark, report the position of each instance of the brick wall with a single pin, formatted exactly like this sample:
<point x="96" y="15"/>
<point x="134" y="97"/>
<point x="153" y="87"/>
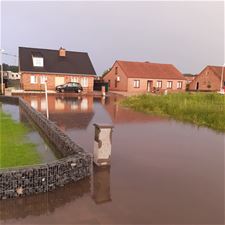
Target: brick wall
<point x="26" y="84"/>
<point x="111" y="77"/>
<point x="126" y="84"/>
<point x="143" y="85"/>
<point x="207" y="80"/>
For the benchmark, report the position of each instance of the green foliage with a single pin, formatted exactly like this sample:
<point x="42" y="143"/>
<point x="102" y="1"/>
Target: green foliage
<point x="203" y="109"/>
<point x="106" y="71"/>
<point x="12" y="68"/>
<point x="14" y="149"/>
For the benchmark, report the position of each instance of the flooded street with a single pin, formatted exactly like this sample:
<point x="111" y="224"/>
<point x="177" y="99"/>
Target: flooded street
<point x="162" y="171"/>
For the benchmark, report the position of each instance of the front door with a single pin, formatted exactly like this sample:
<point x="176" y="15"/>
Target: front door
<point x="59" y="81"/>
<point x="197" y="86"/>
<point x="149" y="85"/>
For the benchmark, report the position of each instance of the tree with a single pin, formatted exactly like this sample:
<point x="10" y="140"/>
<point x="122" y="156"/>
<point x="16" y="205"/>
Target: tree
<point x="106" y="71"/>
<point x="12" y="68"/>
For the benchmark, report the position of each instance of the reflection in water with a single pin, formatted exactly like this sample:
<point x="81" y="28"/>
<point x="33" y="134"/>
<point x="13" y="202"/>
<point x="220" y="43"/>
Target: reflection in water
<point x="42" y="204"/>
<point x="46" y="203"/>
<point x="101" y="184"/>
<point x="163" y="171"/>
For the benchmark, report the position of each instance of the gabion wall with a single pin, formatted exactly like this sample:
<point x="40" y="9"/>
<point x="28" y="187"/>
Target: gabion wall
<point x="75" y="164"/>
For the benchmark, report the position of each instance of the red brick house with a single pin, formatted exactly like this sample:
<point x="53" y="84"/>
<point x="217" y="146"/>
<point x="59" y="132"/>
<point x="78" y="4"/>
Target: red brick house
<point x="209" y="79"/>
<point x="57" y="66"/>
<point x="142" y="77"/>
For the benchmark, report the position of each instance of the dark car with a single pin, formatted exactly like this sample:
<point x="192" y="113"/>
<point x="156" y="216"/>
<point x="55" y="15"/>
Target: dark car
<point x="69" y="87"/>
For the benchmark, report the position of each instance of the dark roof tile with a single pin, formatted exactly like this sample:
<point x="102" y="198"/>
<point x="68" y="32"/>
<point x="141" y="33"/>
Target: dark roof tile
<point x="72" y="63"/>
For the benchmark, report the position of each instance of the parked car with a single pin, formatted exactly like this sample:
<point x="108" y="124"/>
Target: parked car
<point x="69" y="87"/>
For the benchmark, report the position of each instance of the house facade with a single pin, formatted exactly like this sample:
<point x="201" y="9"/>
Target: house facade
<point x="54" y="66"/>
<point x="11" y="75"/>
<point x="142" y="77"/>
<point x="209" y="79"/>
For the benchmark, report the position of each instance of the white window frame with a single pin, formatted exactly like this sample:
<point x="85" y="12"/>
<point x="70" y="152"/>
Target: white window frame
<point x="74" y="79"/>
<point x="43" y="79"/>
<point x="38" y="61"/>
<point x="157" y="84"/>
<point x="179" y="84"/>
<point x="136" y="83"/>
<point x="33" y="79"/>
<point x="84" y="82"/>
<point x="169" y="84"/>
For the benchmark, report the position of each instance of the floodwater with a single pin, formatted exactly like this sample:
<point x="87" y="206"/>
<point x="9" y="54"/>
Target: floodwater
<point x="162" y="171"/>
<point x="46" y="151"/>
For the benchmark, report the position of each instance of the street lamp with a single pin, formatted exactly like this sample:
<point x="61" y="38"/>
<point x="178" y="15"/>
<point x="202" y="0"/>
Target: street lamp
<point x="2" y="91"/>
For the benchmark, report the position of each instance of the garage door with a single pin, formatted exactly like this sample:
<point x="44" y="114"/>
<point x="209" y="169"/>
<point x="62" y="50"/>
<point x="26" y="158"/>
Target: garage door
<point x="59" y="80"/>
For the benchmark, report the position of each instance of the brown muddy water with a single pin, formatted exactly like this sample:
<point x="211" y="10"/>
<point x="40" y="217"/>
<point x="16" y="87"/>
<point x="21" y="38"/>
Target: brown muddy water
<point x="162" y="172"/>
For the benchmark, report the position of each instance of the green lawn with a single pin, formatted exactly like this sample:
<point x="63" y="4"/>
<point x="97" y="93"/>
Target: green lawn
<point x="15" y="150"/>
<point x="203" y="109"/>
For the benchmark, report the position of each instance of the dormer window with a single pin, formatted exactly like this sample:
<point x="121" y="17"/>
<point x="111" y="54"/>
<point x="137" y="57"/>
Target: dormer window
<point x="38" y="61"/>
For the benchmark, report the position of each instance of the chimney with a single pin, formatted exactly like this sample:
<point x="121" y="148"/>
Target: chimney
<point x="62" y="52"/>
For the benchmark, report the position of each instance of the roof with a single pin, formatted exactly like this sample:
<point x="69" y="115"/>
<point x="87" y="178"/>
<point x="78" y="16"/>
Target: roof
<point x="217" y="70"/>
<point x="150" y="70"/>
<point x="189" y="75"/>
<point x="72" y="63"/>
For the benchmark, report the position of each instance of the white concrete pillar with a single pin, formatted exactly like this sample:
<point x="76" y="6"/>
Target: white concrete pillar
<point x="103" y="90"/>
<point x="102" y="144"/>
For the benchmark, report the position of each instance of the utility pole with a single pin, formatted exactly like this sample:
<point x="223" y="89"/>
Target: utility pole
<point x="2" y="84"/>
<point x="222" y="81"/>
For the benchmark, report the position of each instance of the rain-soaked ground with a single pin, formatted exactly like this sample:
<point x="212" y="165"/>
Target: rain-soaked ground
<point x="162" y="172"/>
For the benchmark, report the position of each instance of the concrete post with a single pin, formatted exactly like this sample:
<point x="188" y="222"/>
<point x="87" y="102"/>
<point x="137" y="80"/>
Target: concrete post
<point x="103" y="90"/>
<point x="102" y="144"/>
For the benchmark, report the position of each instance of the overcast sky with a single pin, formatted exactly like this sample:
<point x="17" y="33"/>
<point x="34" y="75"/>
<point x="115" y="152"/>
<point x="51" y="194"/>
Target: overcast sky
<point x="189" y="35"/>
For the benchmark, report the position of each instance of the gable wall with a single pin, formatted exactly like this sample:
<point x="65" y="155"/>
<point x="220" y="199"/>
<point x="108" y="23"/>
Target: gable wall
<point x="207" y="80"/>
<point x="111" y="77"/>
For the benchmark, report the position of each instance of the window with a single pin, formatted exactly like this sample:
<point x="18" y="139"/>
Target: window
<point x="115" y="83"/>
<point x="34" y="103"/>
<point x="116" y="70"/>
<point x="43" y="79"/>
<point x="74" y="79"/>
<point x="179" y="84"/>
<point x="33" y="79"/>
<point x="159" y="84"/>
<point x="70" y="85"/>
<point x="84" y="82"/>
<point x="169" y="84"/>
<point x="109" y="83"/>
<point x="136" y="83"/>
<point x="38" y="61"/>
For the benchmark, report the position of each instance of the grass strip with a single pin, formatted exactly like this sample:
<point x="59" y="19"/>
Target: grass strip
<point x="202" y="109"/>
<point x="15" y="150"/>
